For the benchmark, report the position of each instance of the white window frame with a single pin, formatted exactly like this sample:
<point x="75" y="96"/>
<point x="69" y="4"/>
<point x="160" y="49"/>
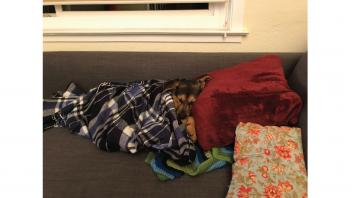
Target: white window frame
<point x="222" y="22"/>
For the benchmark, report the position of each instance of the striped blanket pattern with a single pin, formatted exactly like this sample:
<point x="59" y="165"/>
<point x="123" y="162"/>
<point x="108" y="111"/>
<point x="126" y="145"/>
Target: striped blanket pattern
<point x="122" y="116"/>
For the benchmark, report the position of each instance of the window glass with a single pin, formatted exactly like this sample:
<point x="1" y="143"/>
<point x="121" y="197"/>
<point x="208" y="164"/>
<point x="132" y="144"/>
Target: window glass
<point x="133" y="7"/>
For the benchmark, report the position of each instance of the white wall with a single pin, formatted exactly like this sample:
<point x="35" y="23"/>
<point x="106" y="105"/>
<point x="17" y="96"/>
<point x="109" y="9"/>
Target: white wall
<point x="273" y="25"/>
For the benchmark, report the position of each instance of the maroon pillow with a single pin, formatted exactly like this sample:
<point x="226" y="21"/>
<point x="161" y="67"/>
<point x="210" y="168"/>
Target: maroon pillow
<point x="254" y="91"/>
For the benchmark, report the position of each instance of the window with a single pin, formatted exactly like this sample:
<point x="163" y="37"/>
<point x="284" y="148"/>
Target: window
<point x="143" y="20"/>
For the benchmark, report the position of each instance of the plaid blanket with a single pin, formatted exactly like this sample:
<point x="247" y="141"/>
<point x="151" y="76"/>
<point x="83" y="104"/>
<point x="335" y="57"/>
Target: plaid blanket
<point x="122" y="116"/>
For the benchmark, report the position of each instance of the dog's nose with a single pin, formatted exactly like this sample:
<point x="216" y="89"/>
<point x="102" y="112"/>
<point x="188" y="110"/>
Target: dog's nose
<point x="182" y="115"/>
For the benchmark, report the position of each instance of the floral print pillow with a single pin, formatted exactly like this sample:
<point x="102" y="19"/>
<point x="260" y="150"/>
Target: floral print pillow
<point x="269" y="162"/>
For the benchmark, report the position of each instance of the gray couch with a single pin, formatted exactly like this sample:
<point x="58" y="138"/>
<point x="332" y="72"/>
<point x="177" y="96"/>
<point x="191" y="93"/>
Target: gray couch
<point x="73" y="167"/>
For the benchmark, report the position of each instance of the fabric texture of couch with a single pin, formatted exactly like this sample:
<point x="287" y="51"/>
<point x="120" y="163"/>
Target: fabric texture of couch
<point x="73" y="167"/>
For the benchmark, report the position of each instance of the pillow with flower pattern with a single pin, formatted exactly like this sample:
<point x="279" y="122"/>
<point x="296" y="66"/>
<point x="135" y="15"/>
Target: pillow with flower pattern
<point x="269" y="162"/>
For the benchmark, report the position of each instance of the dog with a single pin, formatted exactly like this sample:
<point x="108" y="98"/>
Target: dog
<point x="184" y="94"/>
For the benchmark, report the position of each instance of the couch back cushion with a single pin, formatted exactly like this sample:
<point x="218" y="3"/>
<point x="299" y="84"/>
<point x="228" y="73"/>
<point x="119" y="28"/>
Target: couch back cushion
<point x="88" y="69"/>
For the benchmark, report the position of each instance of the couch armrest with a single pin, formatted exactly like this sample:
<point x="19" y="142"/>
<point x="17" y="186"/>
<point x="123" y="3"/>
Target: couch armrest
<point x="298" y="82"/>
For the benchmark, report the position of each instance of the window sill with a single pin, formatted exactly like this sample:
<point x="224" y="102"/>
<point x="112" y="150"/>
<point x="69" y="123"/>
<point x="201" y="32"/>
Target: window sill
<point x="145" y="36"/>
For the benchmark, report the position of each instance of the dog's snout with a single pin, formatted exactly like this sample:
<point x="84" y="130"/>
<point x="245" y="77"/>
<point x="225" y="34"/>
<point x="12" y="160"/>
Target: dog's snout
<point x="183" y="112"/>
<point x="182" y="115"/>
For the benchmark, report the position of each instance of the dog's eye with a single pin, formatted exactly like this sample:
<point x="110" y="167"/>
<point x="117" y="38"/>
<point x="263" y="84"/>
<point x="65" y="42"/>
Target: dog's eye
<point x="191" y="99"/>
<point x="182" y="99"/>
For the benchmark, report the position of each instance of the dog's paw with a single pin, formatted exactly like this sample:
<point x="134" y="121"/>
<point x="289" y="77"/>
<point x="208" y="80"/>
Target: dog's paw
<point x="191" y="128"/>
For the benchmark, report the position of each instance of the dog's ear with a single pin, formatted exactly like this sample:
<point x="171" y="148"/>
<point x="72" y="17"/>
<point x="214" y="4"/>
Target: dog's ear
<point x="202" y="80"/>
<point x="171" y="85"/>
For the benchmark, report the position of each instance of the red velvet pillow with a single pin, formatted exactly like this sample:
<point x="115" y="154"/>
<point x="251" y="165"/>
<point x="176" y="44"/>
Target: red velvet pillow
<point x="254" y="91"/>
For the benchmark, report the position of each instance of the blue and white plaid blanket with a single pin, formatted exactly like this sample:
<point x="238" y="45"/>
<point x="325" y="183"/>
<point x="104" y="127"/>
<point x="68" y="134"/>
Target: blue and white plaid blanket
<point x="122" y="116"/>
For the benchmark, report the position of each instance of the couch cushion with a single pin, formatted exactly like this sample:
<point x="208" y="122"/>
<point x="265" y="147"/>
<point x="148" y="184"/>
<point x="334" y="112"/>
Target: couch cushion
<point x="88" y="69"/>
<point x="298" y="82"/>
<point x="298" y="77"/>
<point x="73" y="167"/>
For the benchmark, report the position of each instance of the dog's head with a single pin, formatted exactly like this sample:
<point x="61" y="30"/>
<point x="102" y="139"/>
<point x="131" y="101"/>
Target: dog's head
<point x="185" y="93"/>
